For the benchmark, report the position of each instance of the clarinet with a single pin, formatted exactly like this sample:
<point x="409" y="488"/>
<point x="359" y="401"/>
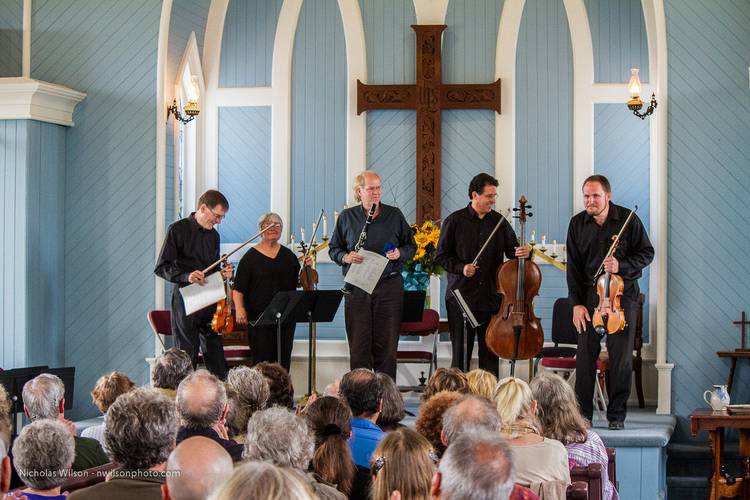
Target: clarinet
<point x="361" y="241"/>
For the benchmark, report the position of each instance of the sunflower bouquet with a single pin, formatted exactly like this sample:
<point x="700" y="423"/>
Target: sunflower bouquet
<point x="426" y="237"/>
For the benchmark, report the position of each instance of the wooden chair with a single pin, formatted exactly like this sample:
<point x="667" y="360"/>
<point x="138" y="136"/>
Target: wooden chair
<point x="88" y="477"/>
<point x="593" y="477"/>
<point x="429" y="325"/>
<point x="578" y="490"/>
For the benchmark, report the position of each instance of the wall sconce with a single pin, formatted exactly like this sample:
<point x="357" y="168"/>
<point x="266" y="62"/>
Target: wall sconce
<point x="191" y="109"/>
<point x="636" y="103"/>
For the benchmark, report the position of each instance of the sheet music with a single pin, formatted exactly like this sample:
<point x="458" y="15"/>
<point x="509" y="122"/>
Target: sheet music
<point x="196" y="297"/>
<point x="367" y="274"/>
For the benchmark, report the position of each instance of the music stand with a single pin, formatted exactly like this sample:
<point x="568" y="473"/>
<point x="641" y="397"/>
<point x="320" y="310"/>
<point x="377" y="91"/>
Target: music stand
<point x="469" y="319"/>
<point x="13" y="381"/>
<point x="299" y="306"/>
<point x="413" y="307"/>
<point x="68" y="376"/>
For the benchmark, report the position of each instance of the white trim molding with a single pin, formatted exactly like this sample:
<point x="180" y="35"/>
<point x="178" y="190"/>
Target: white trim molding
<point x="431" y="11"/>
<point x="28" y="99"/>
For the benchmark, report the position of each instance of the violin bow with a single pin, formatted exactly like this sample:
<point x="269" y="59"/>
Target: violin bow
<point x="616" y="241"/>
<point x="226" y="256"/>
<point x="487" y="241"/>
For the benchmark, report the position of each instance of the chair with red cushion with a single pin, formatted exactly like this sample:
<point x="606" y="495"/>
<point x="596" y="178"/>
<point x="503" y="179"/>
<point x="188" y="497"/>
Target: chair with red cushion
<point x="428" y="326"/>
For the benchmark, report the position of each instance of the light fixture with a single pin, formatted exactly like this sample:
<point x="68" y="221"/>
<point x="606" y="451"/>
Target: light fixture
<point x="191" y="109"/>
<point x="636" y="103"/>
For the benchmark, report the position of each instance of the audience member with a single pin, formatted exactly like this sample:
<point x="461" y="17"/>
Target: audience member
<point x="44" y="397"/>
<point x="170" y="368"/>
<point x="262" y="480"/>
<point x="139" y="432"/>
<point x="279" y="384"/>
<point x="202" y="406"/>
<point x="481" y="383"/>
<point x="393" y="404"/>
<point x="332" y="389"/>
<point x="469" y="413"/>
<point x="106" y="390"/>
<point x="403" y="462"/>
<point x="42" y="456"/>
<point x="279" y="436"/>
<point x="476" y="466"/>
<point x="248" y="393"/>
<point x="363" y="392"/>
<point x="197" y="467"/>
<point x="430" y="419"/>
<point x="537" y="459"/>
<point x="329" y="420"/>
<point x="560" y="418"/>
<point x="5" y="427"/>
<point x="446" y="379"/>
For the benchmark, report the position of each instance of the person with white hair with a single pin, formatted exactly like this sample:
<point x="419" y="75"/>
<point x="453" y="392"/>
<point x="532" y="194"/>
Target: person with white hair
<point x="248" y="392"/>
<point x="44" y="397"/>
<point x="469" y="413"/>
<point x="254" y="480"/>
<point x="42" y="456"/>
<point x="197" y="467"/>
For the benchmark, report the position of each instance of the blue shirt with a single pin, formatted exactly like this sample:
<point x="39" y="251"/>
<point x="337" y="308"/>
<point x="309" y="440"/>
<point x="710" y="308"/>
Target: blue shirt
<point x="365" y="438"/>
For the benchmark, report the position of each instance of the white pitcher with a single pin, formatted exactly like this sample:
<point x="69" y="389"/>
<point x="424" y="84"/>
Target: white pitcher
<point x="718" y="398"/>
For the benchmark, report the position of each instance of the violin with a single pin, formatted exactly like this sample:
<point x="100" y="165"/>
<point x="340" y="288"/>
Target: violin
<point x="515" y="332"/>
<point x="609" y="316"/>
<point x="308" y="276"/>
<point x="223" y="320"/>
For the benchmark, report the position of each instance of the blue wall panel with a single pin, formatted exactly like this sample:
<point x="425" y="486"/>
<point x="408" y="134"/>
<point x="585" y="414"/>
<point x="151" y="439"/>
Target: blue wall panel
<point x="709" y="189"/>
<point x="621" y="153"/>
<point x="247" y="44"/>
<point x="618" y="34"/>
<point x="107" y="49"/>
<point x="318" y="114"/>
<point x="470" y="40"/>
<point x="11" y="37"/>
<point x="187" y="16"/>
<point x="244" y="169"/>
<point x="544" y="119"/>
<point x="391" y="135"/>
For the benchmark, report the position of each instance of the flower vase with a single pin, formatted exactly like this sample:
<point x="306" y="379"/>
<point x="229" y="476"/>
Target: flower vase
<point x="416" y="279"/>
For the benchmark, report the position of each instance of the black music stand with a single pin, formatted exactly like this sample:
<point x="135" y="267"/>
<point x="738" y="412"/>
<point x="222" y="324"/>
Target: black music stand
<point x="299" y="306"/>
<point x="413" y="307"/>
<point x="13" y="381"/>
<point x="469" y="319"/>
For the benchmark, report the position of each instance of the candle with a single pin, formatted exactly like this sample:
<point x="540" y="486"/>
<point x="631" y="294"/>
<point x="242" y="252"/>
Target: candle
<point x="325" y="227"/>
<point x="302" y="233"/>
<point x="554" y="247"/>
<point x="335" y="217"/>
<point x="533" y="236"/>
<point x="544" y="239"/>
<point x="291" y="240"/>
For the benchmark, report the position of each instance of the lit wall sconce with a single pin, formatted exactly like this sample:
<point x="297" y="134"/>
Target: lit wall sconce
<point x="636" y="103"/>
<point x="191" y="109"/>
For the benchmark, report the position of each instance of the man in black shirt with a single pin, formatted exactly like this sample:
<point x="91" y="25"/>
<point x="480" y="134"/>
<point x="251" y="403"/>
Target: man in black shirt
<point x="191" y="245"/>
<point x="589" y="238"/>
<point x="373" y="321"/>
<point x="461" y="236"/>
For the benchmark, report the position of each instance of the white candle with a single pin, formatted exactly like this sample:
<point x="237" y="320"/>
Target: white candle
<point x="533" y="236"/>
<point x="291" y="240"/>
<point x="302" y="233"/>
<point x="544" y="239"/>
<point x="325" y="227"/>
<point x="335" y="218"/>
<point x="554" y="246"/>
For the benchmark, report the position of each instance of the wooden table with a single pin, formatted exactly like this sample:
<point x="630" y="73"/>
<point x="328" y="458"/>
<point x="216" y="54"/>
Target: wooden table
<point x="714" y="422"/>
<point x="734" y="355"/>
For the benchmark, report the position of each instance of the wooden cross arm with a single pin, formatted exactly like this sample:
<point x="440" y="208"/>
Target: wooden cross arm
<point x="470" y="96"/>
<point x="385" y="97"/>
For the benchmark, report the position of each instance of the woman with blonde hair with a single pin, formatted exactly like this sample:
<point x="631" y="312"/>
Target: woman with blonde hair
<point x="481" y="383"/>
<point x="560" y="418"/>
<point x="108" y="388"/>
<point x="405" y="462"/>
<point x="264" y="481"/>
<point x="537" y="459"/>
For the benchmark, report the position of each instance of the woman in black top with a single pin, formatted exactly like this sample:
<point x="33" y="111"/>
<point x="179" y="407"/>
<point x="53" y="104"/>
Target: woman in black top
<point x="265" y="269"/>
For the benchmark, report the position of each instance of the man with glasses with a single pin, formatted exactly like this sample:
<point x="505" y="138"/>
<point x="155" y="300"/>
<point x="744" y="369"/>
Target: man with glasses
<point x="461" y="236"/>
<point x="373" y="320"/>
<point x="191" y="245"/>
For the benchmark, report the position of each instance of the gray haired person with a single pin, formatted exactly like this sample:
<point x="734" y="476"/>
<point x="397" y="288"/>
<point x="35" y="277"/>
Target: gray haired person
<point x="202" y="406"/>
<point x="44" y="397"/>
<point x="253" y="480"/>
<point x="42" y="456"/>
<point x="250" y="394"/>
<point x="5" y="425"/>
<point x="198" y="467"/>
<point x="139" y="432"/>
<point x="278" y="436"/>
<point x="470" y="413"/>
<point x="170" y="368"/>
<point x="476" y="466"/>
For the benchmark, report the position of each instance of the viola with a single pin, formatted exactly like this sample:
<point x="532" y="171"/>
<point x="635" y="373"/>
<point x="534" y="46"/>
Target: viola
<point x="609" y="316"/>
<point x="223" y="320"/>
<point x="515" y="332"/>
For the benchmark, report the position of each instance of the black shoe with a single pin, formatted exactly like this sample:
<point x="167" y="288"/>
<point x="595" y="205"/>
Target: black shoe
<point x="616" y="425"/>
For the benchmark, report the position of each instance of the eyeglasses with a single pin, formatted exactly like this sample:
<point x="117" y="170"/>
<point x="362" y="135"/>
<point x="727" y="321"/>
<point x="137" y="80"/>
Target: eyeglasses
<point x="373" y="189"/>
<point x="216" y="216"/>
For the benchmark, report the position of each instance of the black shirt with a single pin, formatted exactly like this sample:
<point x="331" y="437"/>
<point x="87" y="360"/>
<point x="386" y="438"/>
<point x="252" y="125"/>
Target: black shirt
<point x="259" y="278"/>
<point x="461" y="236"/>
<point x="188" y="247"/>
<point x="588" y="243"/>
<point x="389" y="226"/>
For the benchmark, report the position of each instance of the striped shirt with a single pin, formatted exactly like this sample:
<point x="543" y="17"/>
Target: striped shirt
<point x="590" y="452"/>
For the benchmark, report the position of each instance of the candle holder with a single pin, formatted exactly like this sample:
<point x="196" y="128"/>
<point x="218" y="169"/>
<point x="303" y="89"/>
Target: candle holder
<point x="554" y="256"/>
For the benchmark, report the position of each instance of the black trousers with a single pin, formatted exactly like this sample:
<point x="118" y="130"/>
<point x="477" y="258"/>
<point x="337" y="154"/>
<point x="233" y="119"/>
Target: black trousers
<point x="262" y="343"/>
<point x="194" y="332"/>
<point x="620" y="349"/>
<point x="373" y="323"/>
<point x="487" y="359"/>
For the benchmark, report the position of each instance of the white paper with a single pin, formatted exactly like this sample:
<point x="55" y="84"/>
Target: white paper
<point x="196" y="297"/>
<point x="367" y="274"/>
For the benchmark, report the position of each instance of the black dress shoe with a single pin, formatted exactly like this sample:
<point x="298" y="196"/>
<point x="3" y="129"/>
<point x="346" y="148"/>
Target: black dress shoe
<point x="616" y="425"/>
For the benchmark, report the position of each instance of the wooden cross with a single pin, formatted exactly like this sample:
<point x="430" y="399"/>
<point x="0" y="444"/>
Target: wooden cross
<point x="428" y="96"/>
<point x="743" y="322"/>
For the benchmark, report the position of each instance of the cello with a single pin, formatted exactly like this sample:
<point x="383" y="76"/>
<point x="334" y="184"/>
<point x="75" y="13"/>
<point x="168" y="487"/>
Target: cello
<point x="515" y="332"/>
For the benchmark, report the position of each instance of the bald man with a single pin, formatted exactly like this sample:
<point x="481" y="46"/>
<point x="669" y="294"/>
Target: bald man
<point x="195" y="469"/>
